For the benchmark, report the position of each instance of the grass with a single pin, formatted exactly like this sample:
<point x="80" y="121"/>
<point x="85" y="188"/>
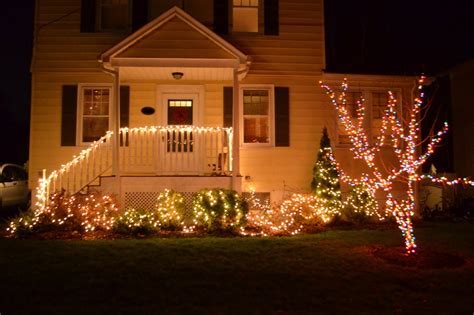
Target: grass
<point x="330" y="272"/>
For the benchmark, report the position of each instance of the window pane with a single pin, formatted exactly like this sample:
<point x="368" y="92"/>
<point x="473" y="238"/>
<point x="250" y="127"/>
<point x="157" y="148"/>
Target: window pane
<point x="379" y="104"/>
<point x="180" y="112"/>
<point x="94" y="127"/>
<point x="256" y="130"/>
<point x="256" y="102"/>
<point x="96" y="102"/>
<point x="245" y="19"/>
<point x="114" y="14"/>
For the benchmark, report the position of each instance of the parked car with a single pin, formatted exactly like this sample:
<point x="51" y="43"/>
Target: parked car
<point x="13" y="186"/>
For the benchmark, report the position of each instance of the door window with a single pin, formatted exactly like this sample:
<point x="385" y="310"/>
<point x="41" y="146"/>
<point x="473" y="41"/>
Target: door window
<point x="180" y="113"/>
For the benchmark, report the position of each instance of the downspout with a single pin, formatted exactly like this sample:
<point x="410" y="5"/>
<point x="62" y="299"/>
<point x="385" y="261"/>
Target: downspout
<point x="115" y="113"/>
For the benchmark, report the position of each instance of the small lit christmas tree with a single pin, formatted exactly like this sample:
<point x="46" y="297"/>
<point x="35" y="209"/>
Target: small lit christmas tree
<point x="325" y="184"/>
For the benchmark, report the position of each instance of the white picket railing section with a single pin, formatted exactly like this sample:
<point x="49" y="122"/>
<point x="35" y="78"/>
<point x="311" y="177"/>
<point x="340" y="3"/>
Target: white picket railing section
<point x="175" y="150"/>
<point x="169" y="150"/>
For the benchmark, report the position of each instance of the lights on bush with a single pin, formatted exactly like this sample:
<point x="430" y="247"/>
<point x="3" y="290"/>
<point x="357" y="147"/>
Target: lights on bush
<point x="81" y="212"/>
<point x="219" y="210"/>
<point x="289" y="217"/>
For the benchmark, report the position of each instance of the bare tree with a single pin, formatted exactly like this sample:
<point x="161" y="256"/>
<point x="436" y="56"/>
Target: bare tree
<point x="402" y="133"/>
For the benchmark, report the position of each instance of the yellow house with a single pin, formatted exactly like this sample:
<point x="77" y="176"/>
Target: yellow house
<point x="194" y="93"/>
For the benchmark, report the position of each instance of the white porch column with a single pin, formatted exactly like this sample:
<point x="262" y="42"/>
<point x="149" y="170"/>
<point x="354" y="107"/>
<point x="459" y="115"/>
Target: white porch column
<point x="236" y="182"/>
<point x="116" y="129"/>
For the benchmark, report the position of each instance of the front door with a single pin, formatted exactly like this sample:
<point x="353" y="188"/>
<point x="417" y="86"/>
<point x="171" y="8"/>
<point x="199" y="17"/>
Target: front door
<point x="180" y="149"/>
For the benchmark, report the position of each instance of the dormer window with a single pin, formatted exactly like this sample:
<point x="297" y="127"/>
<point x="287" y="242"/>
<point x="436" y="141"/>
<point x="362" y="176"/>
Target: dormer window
<point x="113" y="15"/>
<point x="245" y="16"/>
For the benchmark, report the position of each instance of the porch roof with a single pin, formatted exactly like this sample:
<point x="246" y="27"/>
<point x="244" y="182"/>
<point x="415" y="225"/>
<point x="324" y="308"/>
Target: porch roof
<point x="175" y="41"/>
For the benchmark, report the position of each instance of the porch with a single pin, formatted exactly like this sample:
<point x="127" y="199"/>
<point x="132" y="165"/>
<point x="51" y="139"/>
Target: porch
<point x="176" y="151"/>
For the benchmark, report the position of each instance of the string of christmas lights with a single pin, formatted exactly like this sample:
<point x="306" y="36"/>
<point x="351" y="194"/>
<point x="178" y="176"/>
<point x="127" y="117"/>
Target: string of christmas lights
<point x="405" y="142"/>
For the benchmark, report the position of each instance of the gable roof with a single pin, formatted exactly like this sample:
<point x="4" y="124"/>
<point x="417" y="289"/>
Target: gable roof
<point x="174" y="35"/>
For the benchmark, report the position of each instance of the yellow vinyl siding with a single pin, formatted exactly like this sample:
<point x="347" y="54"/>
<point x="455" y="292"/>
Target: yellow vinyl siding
<point x="299" y="47"/>
<point x="60" y="46"/>
<point x="174" y="39"/>
<point x="46" y="151"/>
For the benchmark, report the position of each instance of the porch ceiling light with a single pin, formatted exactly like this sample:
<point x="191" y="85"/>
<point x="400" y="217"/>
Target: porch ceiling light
<point x="177" y="75"/>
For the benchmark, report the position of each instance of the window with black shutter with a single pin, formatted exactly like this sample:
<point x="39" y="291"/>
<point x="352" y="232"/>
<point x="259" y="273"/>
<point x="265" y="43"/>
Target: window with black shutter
<point x="265" y="114"/>
<point x="246" y="16"/>
<point x="85" y="114"/>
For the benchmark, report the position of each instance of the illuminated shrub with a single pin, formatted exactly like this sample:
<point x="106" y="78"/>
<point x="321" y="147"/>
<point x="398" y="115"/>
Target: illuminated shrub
<point x="80" y="212"/>
<point x="219" y="210"/>
<point x="23" y="224"/>
<point x="170" y="210"/>
<point x="137" y="221"/>
<point x="360" y="205"/>
<point x="290" y="217"/>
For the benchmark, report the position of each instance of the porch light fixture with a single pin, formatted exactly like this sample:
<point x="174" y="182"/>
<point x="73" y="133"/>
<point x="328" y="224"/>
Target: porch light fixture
<point x="177" y="75"/>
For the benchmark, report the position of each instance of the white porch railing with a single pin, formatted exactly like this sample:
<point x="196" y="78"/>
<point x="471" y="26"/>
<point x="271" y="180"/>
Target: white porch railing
<point x="170" y="150"/>
<point x="175" y="150"/>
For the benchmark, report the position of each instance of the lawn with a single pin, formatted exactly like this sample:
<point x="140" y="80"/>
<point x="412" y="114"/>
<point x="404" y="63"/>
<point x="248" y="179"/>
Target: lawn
<point x="329" y="272"/>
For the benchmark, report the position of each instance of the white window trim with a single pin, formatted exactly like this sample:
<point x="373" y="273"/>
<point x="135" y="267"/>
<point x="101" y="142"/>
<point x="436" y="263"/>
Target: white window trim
<point x="80" y="108"/>
<point x="368" y="121"/>
<point x="271" y="114"/>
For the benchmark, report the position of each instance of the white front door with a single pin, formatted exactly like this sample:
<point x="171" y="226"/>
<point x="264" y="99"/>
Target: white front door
<point x="180" y="153"/>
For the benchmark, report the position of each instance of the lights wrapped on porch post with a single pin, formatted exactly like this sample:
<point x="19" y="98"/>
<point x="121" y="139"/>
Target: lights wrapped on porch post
<point x="236" y="134"/>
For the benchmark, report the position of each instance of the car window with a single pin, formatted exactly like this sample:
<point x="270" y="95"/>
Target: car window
<point x="21" y="174"/>
<point x="8" y="174"/>
<point x="12" y="173"/>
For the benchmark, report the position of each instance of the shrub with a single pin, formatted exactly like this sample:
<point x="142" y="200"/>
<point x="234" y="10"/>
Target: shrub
<point x="291" y="216"/>
<point x="136" y="221"/>
<point x="219" y="210"/>
<point x="360" y="205"/>
<point x="23" y="224"/>
<point x="170" y="210"/>
<point x="80" y="212"/>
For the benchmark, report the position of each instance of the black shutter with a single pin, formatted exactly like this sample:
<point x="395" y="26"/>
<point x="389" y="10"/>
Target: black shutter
<point x="124" y="106"/>
<point x="139" y="14"/>
<point x="69" y="115"/>
<point x="271" y="17"/>
<point x="221" y="16"/>
<point x="228" y="101"/>
<point x="282" y="117"/>
<point x="88" y="16"/>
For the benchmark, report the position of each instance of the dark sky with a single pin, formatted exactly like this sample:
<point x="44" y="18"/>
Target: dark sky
<point x="362" y="36"/>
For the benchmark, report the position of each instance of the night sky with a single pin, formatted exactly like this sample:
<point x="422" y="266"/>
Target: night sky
<point x="397" y="37"/>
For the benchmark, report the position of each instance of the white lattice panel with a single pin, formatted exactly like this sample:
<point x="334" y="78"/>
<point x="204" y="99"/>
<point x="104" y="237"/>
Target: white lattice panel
<point x="141" y="200"/>
<point x="147" y="201"/>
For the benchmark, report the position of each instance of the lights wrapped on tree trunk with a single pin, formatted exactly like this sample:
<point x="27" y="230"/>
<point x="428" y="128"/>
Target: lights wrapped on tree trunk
<point x="406" y="145"/>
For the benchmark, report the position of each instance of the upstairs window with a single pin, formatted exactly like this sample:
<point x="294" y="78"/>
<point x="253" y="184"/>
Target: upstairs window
<point x="202" y="10"/>
<point x="245" y="16"/>
<point x="113" y="15"/>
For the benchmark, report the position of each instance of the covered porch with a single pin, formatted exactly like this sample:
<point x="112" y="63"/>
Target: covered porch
<point x="178" y="55"/>
<point x="178" y="147"/>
